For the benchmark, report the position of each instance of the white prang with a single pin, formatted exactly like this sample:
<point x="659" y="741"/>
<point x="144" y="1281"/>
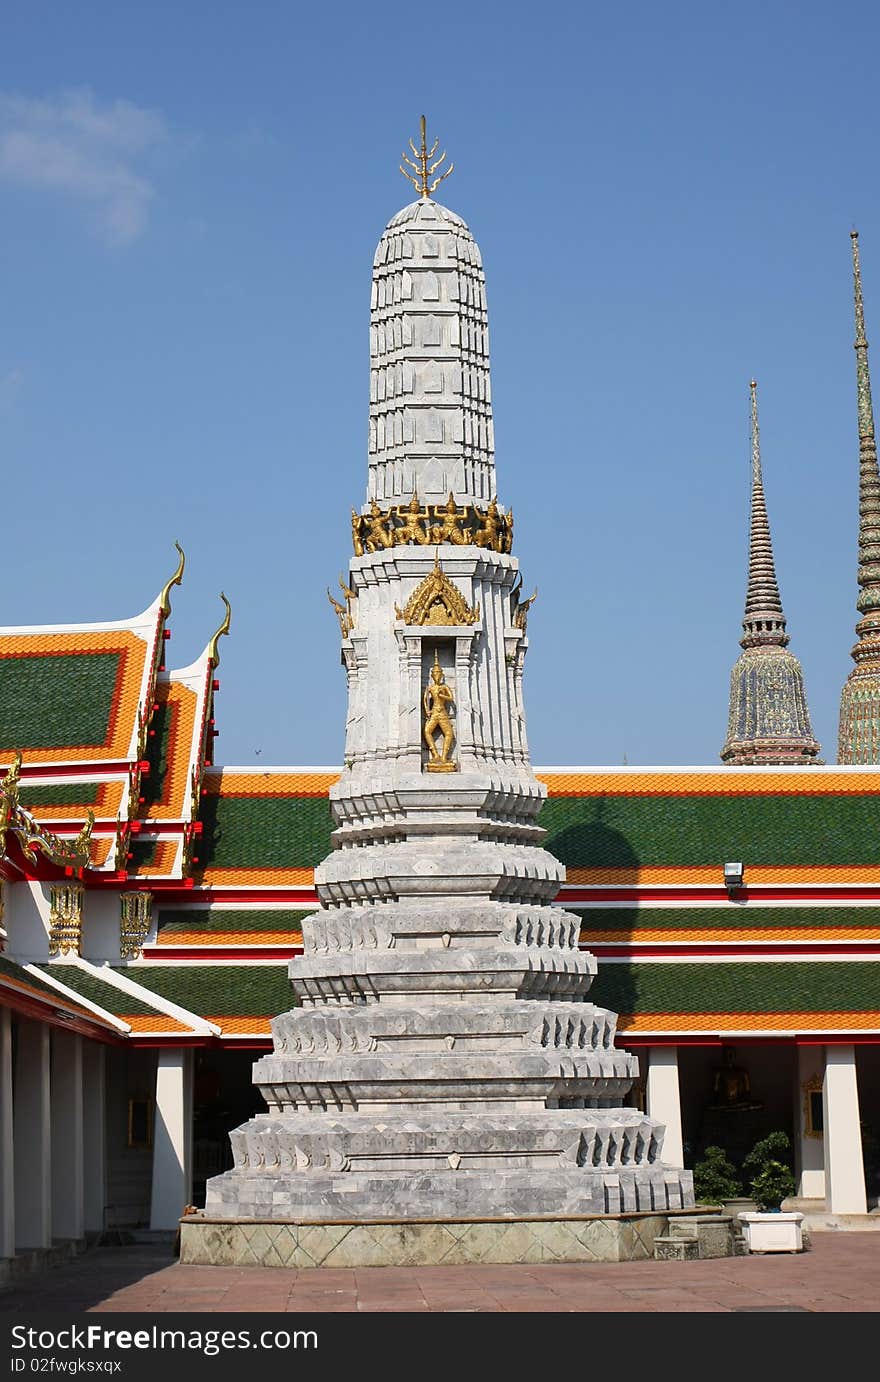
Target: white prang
<point x="443" y="1061"/>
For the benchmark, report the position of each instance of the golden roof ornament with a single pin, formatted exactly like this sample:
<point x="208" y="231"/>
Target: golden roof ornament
<point x="344" y="612"/>
<point x="213" y="654"/>
<point x="31" y="835"/>
<point x="437" y="601"/>
<point x="176" y="579"/>
<point x="425" y="169"/>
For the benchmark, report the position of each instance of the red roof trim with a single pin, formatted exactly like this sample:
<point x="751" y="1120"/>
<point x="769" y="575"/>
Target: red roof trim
<point x="868" y="892"/>
<point x="220" y="954"/>
<point x="713" y="950"/>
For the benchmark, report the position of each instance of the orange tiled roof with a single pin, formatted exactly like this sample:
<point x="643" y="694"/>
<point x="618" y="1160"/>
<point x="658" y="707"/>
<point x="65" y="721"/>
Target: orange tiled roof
<point x="641" y="875"/>
<point x="724" y="782"/>
<point x="646" y="935"/>
<point x="141" y="1024"/>
<point x="248" y="938"/>
<point x="748" y="1022"/>
<point x="223" y="781"/>
<point x="268" y="877"/>
<point x="242" y="1026"/>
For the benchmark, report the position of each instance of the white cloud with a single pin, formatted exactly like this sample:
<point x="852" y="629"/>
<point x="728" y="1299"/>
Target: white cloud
<point x="95" y="154"/>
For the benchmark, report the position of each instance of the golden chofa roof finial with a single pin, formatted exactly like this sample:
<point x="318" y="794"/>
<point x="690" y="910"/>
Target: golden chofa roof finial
<point x="425" y="169"/>
<point x="176" y="579"/>
<point x="213" y="654"/>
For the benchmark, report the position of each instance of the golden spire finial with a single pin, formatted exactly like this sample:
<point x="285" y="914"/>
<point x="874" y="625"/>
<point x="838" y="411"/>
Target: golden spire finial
<point x="164" y="601"/>
<point x="213" y="655"/>
<point x="424" y="168"/>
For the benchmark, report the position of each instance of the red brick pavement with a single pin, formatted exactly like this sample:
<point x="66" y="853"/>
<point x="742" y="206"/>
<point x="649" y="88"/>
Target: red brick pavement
<point x="841" y="1273"/>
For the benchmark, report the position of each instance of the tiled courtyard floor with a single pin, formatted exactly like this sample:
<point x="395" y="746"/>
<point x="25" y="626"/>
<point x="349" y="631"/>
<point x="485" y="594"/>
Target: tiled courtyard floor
<point x="840" y="1273"/>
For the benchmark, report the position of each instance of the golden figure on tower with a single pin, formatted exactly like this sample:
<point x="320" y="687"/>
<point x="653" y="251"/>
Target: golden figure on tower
<point x="446" y="529"/>
<point x="356" y="533"/>
<point x="489" y="531"/>
<point x="437" y="702"/>
<point x="379" y="533"/>
<point x="412" y="529"/>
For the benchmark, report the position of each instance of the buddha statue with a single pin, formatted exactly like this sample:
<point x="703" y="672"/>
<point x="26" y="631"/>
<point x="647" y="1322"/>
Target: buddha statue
<point x="731" y="1086"/>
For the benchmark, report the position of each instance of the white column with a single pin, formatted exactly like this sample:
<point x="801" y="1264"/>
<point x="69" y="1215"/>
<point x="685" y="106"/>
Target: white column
<point x="844" y="1171"/>
<point x="663" y="1100"/>
<point x="67" y="1135"/>
<point x="172" y="1137"/>
<point x="810" y="1147"/>
<point x="94" y="1136"/>
<point x="7" y="1145"/>
<point x="33" y="1165"/>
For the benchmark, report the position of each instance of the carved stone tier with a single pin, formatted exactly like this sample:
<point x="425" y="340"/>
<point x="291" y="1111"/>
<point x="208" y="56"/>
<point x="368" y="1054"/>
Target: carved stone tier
<point x="356" y="1166"/>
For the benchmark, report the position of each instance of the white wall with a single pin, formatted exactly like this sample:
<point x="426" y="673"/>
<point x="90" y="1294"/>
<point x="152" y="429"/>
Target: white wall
<point x="101" y="926"/>
<point x="809" y="1150"/>
<point x="27" y="921"/>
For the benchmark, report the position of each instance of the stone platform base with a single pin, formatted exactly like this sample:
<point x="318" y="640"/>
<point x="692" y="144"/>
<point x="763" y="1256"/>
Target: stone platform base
<point x="210" y="1241"/>
<point x="29" y="1260"/>
<point x="698" y="1236"/>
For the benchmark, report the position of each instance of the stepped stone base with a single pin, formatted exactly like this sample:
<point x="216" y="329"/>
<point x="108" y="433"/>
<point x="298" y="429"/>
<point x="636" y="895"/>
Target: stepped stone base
<point x="447" y="1166"/>
<point x="362" y="1195"/>
<point x="206" y="1240"/>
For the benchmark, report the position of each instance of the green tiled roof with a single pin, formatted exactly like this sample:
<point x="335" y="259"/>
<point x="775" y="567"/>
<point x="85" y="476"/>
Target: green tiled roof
<point x="220" y="990"/>
<point x="264" y="832"/>
<point x="790" y="986"/>
<point x="143" y="854"/>
<point x="730" y="917"/>
<point x="625" y="832"/>
<point x="156" y="754"/>
<point x="56" y="701"/>
<point x="58" y="794"/>
<point x="229" y="919"/>
<point x="11" y="970"/>
<point x="98" y="991"/>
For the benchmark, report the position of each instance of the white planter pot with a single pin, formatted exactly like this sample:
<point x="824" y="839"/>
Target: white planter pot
<point x="773" y="1232"/>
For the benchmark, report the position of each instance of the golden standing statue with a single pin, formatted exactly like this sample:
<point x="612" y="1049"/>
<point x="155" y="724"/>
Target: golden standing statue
<point x="356" y="533"/>
<point x="437" y="701"/>
<point x="9" y="797"/>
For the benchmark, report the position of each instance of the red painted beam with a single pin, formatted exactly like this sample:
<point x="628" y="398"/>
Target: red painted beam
<point x="32" y="1008"/>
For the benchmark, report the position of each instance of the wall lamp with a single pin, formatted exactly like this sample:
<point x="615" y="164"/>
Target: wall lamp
<point x="733" y="878"/>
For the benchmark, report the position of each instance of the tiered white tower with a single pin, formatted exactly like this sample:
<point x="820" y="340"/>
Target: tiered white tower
<point x="443" y="1061"/>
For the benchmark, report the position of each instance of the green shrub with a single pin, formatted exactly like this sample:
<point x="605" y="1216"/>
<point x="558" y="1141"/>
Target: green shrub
<point x="715" y="1178"/>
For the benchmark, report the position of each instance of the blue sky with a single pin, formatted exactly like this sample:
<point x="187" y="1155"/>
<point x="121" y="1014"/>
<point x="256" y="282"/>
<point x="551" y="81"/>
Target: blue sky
<point x="191" y="194"/>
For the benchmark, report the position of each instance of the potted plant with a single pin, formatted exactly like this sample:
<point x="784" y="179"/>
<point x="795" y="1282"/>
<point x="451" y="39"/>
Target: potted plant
<point x="771" y="1181"/>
